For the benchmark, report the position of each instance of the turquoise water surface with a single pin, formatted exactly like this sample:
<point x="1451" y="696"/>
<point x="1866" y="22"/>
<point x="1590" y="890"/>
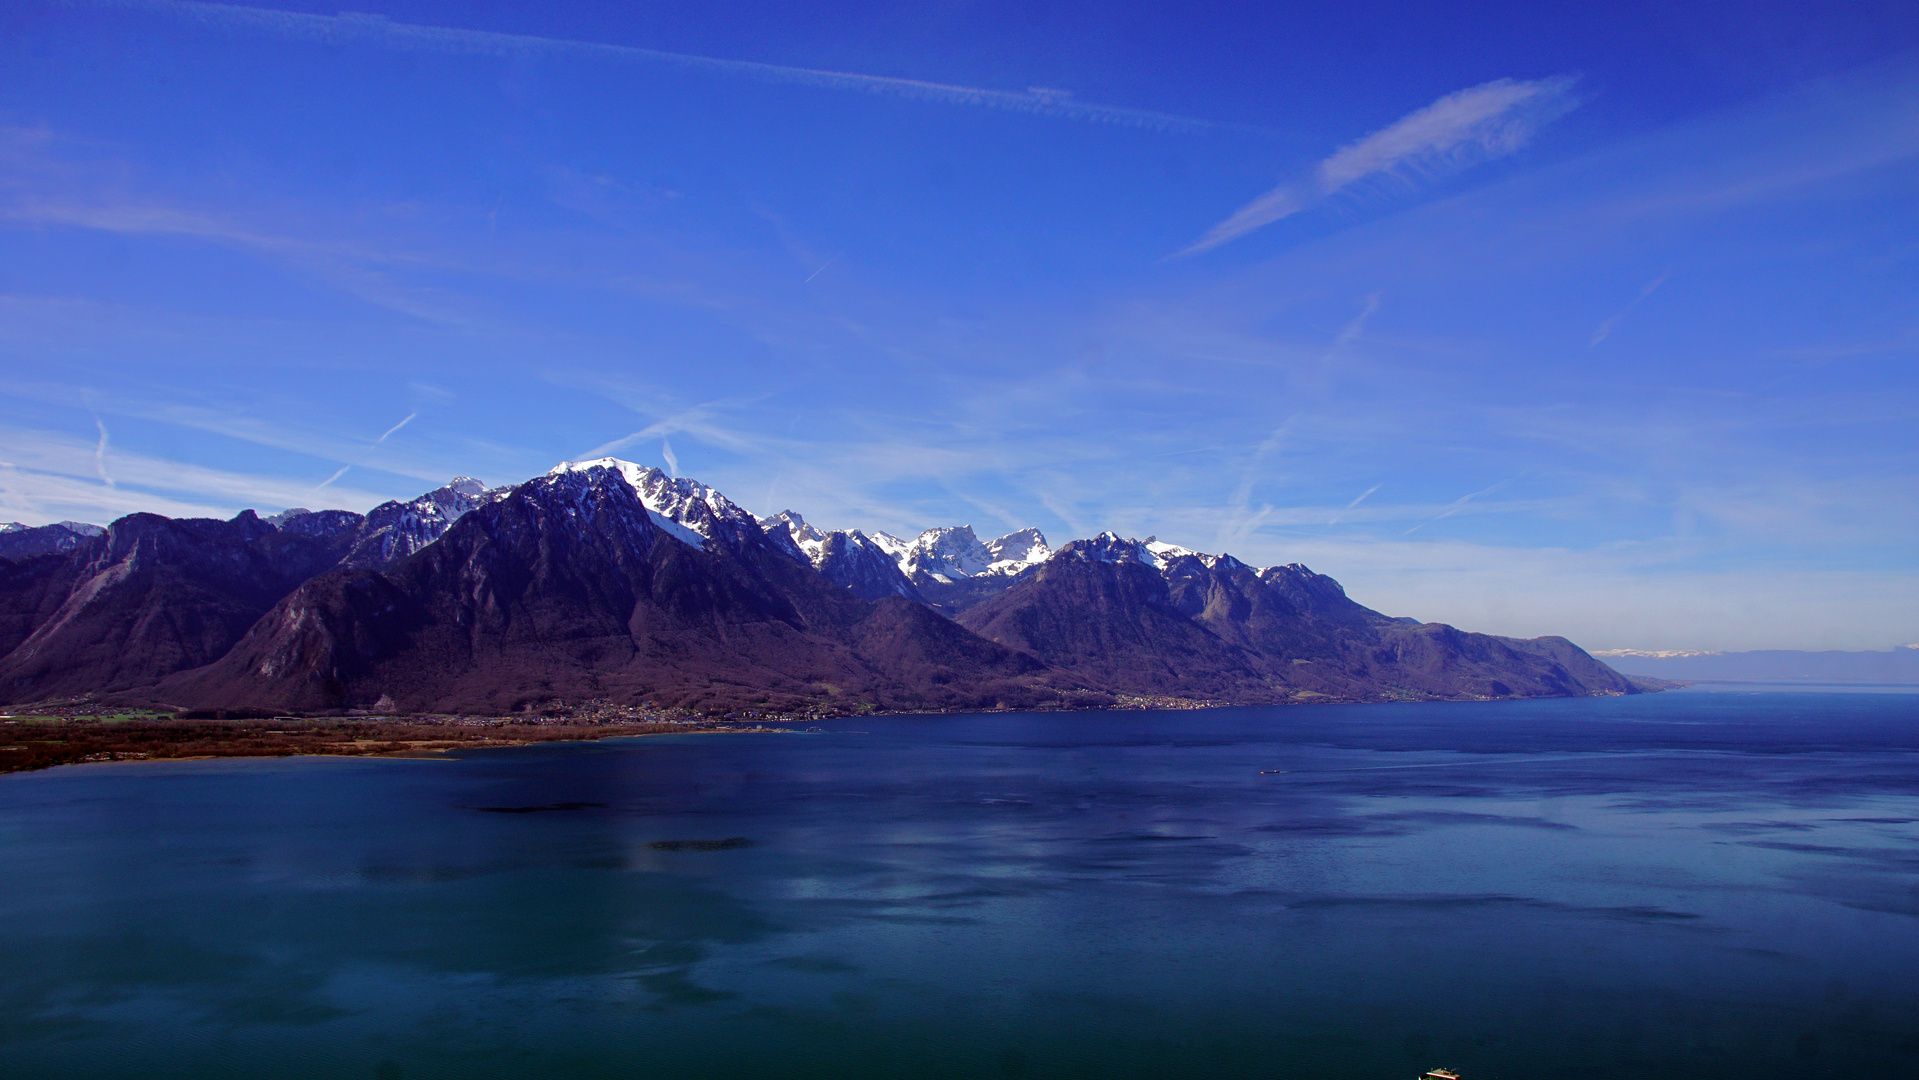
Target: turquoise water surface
<point x="1678" y="885"/>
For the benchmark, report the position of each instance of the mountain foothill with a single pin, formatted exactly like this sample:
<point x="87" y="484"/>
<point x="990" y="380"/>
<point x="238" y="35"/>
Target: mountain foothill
<point x="607" y="581"/>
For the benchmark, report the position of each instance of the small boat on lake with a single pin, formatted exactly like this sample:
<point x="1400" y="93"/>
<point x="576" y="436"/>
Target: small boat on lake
<point x="1439" y="1074"/>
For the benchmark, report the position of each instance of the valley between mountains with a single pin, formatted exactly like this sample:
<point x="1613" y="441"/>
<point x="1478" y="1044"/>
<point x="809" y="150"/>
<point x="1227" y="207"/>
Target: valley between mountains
<point x="609" y="583"/>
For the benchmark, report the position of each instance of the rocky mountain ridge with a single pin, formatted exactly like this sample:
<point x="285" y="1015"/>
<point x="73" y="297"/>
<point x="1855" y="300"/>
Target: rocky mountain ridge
<point x="608" y="580"/>
<point x="847" y="558"/>
<point x="1147" y="618"/>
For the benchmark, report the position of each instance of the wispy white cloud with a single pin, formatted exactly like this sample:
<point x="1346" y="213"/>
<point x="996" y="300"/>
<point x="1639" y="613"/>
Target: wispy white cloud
<point x="326" y="443"/>
<point x="700" y="421"/>
<point x="822" y="269"/>
<point x="1280" y="528"/>
<point x="1354" y="505"/>
<point x="357" y="270"/>
<point x="1357" y="326"/>
<point x="335" y="475"/>
<point x="100" y="453"/>
<point x="353" y="28"/>
<point x="994" y="510"/>
<point x="374" y="445"/>
<point x="1458" y="504"/>
<point x="1457" y="131"/>
<point x="51" y="476"/>
<point x="1071" y="515"/>
<point x="1606" y="328"/>
<point x="1240" y="520"/>
<point x="388" y="433"/>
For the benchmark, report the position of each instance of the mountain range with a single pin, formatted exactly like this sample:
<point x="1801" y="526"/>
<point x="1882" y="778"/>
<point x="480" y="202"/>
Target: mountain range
<point x="607" y="581"/>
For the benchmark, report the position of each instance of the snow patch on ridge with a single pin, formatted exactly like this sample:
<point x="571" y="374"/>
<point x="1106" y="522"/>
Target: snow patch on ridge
<point x="687" y="510"/>
<point x="957" y="552"/>
<point x="393" y="530"/>
<point x="1162" y="556"/>
<point x="636" y="477"/>
<point x="895" y="548"/>
<point x="808" y="539"/>
<point x="676" y="530"/>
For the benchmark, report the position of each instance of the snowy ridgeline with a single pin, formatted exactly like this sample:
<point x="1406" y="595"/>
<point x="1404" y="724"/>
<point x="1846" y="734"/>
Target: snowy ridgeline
<point x="873" y="565"/>
<point x="945" y="554"/>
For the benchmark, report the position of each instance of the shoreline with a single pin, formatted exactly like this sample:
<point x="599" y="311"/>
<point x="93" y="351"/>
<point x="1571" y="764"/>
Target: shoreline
<point x="35" y="742"/>
<point x="49" y="735"/>
<point x="440" y="753"/>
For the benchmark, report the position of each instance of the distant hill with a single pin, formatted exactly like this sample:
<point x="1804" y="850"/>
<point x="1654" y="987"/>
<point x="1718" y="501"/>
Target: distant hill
<point x="1770" y="665"/>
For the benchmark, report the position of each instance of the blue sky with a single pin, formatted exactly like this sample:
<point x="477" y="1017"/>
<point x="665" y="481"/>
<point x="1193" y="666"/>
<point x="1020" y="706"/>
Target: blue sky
<point x="1597" y="320"/>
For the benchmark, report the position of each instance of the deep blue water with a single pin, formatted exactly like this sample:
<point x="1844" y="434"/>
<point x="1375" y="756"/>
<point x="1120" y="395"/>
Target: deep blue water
<point x="1686" y="884"/>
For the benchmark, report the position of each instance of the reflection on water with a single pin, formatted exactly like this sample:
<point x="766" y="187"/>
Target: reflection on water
<point x="1683" y="885"/>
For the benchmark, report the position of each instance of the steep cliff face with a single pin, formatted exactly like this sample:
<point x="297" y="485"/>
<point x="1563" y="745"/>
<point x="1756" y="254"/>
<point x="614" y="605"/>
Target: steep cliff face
<point x="149" y="597"/>
<point x="855" y="563"/>
<point x="31" y="590"/>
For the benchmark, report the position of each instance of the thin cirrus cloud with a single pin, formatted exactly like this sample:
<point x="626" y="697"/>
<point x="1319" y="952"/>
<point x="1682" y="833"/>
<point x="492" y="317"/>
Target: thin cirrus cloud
<point x="1606" y="328"/>
<point x="100" y="454"/>
<point x="342" y="471"/>
<point x="51" y="475"/>
<point x="381" y="31"/>
<point x="1456" y="132"/>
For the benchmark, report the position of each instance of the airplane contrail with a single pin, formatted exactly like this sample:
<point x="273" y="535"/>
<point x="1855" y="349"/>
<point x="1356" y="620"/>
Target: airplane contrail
<point x="355" y="28"/>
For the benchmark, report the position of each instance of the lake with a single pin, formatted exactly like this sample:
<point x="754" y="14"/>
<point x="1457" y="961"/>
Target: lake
<point x="1686" y="884"/>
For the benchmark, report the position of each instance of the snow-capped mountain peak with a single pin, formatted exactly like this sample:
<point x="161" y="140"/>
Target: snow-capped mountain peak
<point x="678" y="505"/>
<point x="957" y="552"/>
<point x="1153" y="552"/>
<point x="1166" y="552"/>
<point x="393" y="530"/>
<point x="805" y="537"/>
<point x="1112" y="547"/>
<point x="1018" y="550"/>
<point x="633" y="471"/>
<point x="895" y="548"/>
<point x="848" y="558"/>
<point x="948" y="553"/>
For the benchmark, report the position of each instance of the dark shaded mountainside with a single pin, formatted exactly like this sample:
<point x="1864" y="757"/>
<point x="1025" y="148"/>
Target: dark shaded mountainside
<point x="607" y="582"/>
<point x="1116" y="614"/>
<point x="18" y="541"/>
